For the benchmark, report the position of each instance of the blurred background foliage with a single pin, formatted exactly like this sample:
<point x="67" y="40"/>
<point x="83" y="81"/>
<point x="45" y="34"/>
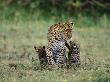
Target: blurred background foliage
<point x="79" y="10"/>
<point x="92" y="7"/>
<point x="70" y="5"/>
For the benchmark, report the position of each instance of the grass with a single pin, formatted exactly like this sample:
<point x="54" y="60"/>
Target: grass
<point x="18" y="37"/>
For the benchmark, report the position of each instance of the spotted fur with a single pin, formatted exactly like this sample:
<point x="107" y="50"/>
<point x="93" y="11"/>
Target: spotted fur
<point x="41" y="52"/>
<point x="57" y="35"/>
<point x="74" y="53"/>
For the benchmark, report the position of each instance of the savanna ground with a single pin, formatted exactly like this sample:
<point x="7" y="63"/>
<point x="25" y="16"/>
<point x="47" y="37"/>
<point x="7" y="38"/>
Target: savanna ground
<point x="19" y="62"/>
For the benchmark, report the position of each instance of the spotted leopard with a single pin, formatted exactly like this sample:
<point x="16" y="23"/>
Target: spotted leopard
<point x="73" y="54"/>
<point x="41" y="52"/>
<point x="57" y="35"/>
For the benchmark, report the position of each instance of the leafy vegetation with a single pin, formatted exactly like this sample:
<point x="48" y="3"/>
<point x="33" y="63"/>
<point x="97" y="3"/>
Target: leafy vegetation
<point x="92" y="6"/>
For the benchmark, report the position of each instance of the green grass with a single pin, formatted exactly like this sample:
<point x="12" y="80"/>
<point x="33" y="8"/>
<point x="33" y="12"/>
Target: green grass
<point x="17" y="39"/>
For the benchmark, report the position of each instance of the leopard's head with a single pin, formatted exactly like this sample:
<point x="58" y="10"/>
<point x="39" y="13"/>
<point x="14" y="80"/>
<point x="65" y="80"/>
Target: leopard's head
<point x="40" y="50"/>
<point x="59" y="28"/>
<point x="74" y="45"/>
<point x="68" y="29"/>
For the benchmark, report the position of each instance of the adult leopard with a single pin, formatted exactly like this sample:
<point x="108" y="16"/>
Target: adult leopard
<point x="57" y="35"/>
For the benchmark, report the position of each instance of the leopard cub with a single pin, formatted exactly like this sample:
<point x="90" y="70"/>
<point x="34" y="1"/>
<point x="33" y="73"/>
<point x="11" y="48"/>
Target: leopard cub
<point x="41" y="55"/>
<point x="73" y="54"/>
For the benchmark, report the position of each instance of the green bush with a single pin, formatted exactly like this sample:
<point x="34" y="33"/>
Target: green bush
<point x="73" y="6"/>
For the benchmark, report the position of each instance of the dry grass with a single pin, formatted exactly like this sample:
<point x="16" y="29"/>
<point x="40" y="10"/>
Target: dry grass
<point x="16" y="47"/>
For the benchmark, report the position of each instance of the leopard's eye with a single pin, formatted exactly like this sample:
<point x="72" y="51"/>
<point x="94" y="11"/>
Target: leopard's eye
<point x="68" y="30"/>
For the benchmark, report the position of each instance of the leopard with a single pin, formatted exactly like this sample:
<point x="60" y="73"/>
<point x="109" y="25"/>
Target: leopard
<point x="73" y="54"/>
<point x="41" y="52"/>
<point x="57" y="35"/>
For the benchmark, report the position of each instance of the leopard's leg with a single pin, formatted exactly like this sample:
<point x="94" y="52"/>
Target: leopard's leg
<point x="56" y="58"/>
<point x="61" y="59"/>
<point x="51" y="62"/>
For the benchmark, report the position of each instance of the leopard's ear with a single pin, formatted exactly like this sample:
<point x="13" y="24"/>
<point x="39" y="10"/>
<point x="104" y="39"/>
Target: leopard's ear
<point x="43" y="47"/>
<point x="36" y="48"/>
<point x="72" y="23"/>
